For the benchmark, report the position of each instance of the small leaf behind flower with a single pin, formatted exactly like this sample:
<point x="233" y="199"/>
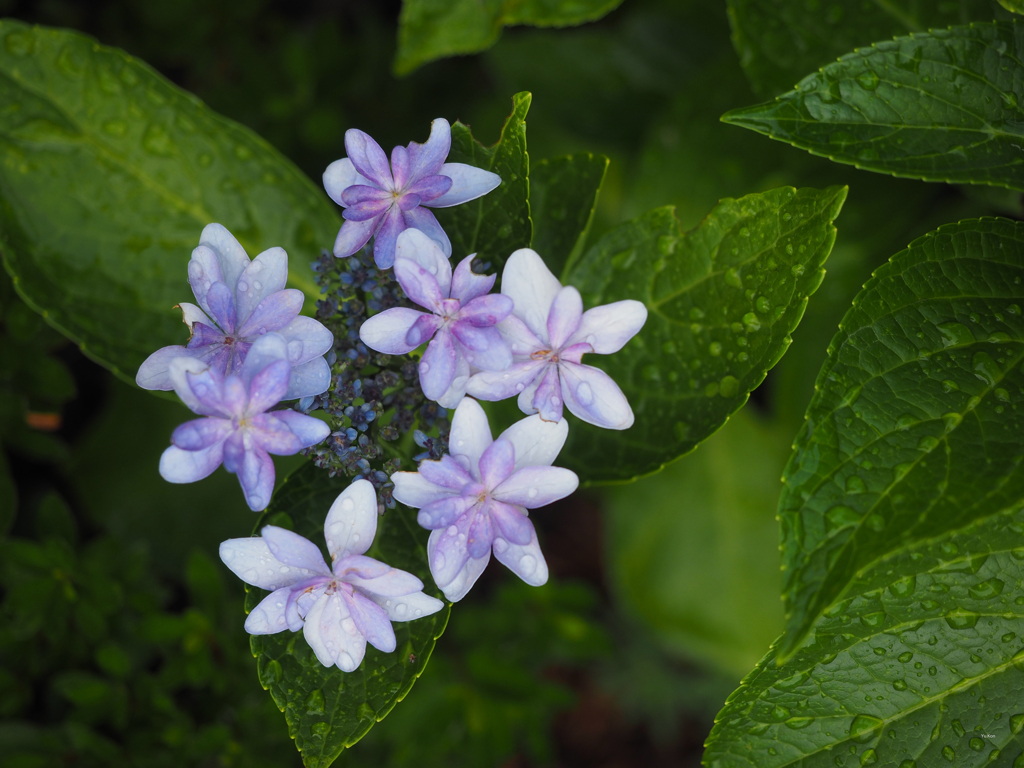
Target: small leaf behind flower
<point x="722" y="302"/>
<point x="326" y="709"/>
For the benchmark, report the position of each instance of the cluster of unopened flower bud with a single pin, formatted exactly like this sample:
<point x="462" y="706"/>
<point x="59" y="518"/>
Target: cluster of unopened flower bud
<point x="375" y="400"/>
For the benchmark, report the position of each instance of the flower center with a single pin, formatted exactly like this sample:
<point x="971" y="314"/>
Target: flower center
<point x="545" y="354"/>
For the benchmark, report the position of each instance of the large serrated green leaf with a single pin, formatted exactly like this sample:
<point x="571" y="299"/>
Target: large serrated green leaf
<point x="108" y="174"/>
<point x="434" y="29"/>
<point x="780" y="41"/>
<point x="921" y="667"/>
<point x="946" y="105"/>
<point x="563" y="194"/>
<point x="722" y="301"/>
<point x="328" y="710"/>
<point x="914" y="429"/>
<point x="498" y="223"/>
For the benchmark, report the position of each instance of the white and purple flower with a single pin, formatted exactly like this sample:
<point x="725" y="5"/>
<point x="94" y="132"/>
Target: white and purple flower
<point x="342" y="608"/>
<point x="460" y="323"/>
<point x="237" y="430"/>
<point x="475" y="500"/>
<point x="382" y="201"/>
<point x="239" y="301"/>
<point x="549" y="333"/>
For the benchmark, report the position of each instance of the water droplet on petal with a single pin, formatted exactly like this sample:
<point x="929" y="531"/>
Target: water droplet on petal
<point x="400" y="609"/>
<point x="243" y="287"/>
<point x="500" y="545"/>
<point x="347" y="505"/>
<point x="439" y="561"/>
<point x="584" y="394"/>
<point x="257" y="284"/>
<point x="527" y="565"/>
<point x="424" y="368"/>
<point x="295" y="348"/>
<point x="452" y="530"/>
<point x="532" y="493"/>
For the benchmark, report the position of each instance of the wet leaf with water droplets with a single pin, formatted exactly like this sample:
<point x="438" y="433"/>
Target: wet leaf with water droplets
<point x="326" y="709"/>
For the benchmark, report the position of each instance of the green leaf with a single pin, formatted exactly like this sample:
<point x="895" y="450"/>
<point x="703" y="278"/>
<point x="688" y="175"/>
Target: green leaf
<point x="920" y="666"/>
<point x="498" y="223"/>
<point x="563" y="195"/>
<point x="434" y="29"/>
<point x="779" y="41"/>
<point x="947" y="105"/>
<point x="8" y="496"/>
<point x="693" y="550"/>
<point x="328" y="710"/>
<point x="722" y="301"/>
<point x="108" y="174"/>
<point x="914" y="429"/>
<point x="1016" y="6"/>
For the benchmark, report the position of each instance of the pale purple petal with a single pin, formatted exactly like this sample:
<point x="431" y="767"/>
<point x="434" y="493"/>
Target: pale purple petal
<point x="256" y="476"/>
<point x="360" y="193"/>
<point x="537" y="442"/>
<point x="154" y="373"/>
<point x="371" y="622"/>
<point x="268" y="387"/>
<point x="511" y="524"/>
<point x="265" y="350"/>
<point x="225" y="398"/>
<point x="533" y="487"/>
<point x="446" y="552"/>
<point x="351" y="522"/>
<point x="424" y="221"/>
<point x="525" y="561"/>
<point x="497" y="463"/>
<point x="391" y="583"/>
<point x="392" y="224"/>
<point x="463" y="580"/>
<point x="467" y="285"/>
<point x="437" y="368"/>
<point x="468" y="183"/>
<point x="231" y="256"/>
<point x="178" y="371"/>
<point x="387" y="331"/>
<point x="221" y="305"/>
<point x="419" y="247"/>
<point x="353" y="235"/>
<point x="408" y="607"/>
<point x="448" y="472"/>
<point x="414" y="490"/>
<point x="205" y="336"/>
<point x="408" y="201"/>
<point x="191" y="314"/>
<point x="470" y="435"/>
<point x="203" y="271"/>
<point x="521" y="340"/>
<point x="265" y="276"/>
<point x="480" y="532"/>
<point x="359" y="566"/>
<point x="400" y="166"/>
<point x="428" y="159"/>
<point x="564" y="318"/>
<point x="484" y="348"/>
<point x="419" y="285"/>
<point x="500" y="385"/>
<point x="368" y="209"/>
<point x="422" y="330"/>
<point x="531" y="286"/>
<point x="547" y="400"/>
<point x="333" y="635"/>
<point x="457" y="391"/>
<point x="368" y="158"/>
<point x="285" y="433"/>
<point x="250" y="560"/>
<point x="525" y="399"/>
<point x="485" y="311"/>
<point x="312" y="377"/>
<point x="293" y="550"/>
<point x="428" y="188"/>
<point x="592" y="396"/>
<point x="200" y="434"/>
<point x="178" y="466"/>
<point x="316" y="339"/>
<point x="304" y="595"/>
<point x="339" y="176"/>
<point x="607" y="328"/>
<point x="268" y="617"/>
<point x="445" y="511"/>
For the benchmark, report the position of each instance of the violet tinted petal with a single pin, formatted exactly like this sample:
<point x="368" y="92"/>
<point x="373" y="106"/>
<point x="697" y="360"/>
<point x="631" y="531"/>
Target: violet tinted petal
<point x="422" y="330"/>
<point x="178" y="371"/>
<point x="497" y="463"/>
<point x="427" y="159"/>
<point x="391" y="583"/>
<point x="294" y="550"/>
<point x="462" y="580"/>
<point x="414" y="490"/>
<point x="251" y="560"/>
<point x="457" y="391"/>
<point x="287" y="432"/>
<point x="352" y="236"/>
<point x="331" y="634"/>
<point x="339" y="176"/>
<point x="607" y="328"/>
<point x="448" y="473"/>
<point x="419" y="285"/>
<point x="428" y="188"/>
<point x="533" y="487"/>
<point x="387" y="331"/>
<point x="203" y="271"/>
<point x="265" y="350"/>
<point x="268" y="617"/>
<point x="351" y="522"/>
<point x="444" y="512"/>
<point x="417" y="246"/>
<point x="531" y="286"/>
<point x="359" y="567"/>
<point x="273" y="313"/>
<point x="200" y="434"/>
<point x="521" y="340"/>
<point x="485" y="311"/>
<point x="469" y="437"/>
<point x="191" y="314"/>
<point x="526" y="561"/>
<point x="360" y="193"/>
<point x="574" y="353"/>
<point x="266" y="275"/>
<point x="316" y="339"/>
<point x="468" y="183"/>
<point x="489" y="350"/>
<point x="424" y="221"/>
<point x="204" y="335"/>
<point x="178" y="466"/>
<point x="154" y="373"/>
<point x="408" y="201"/>
<point x="500" y="385"/>
<point x="408" y="607"/>
<point x="511" y="524"/>
<point x="446" y="552"/>
<point x="392" y="224"/>
<point x="256" y="476"/>
<point x="400" y="166"/>
<point x="267" y="387"/>
<point x="368" y="158"/>
<point x="371" y="621"/>
<point x="231" y="256"/>
<point x="547" y="400"/>
<point x="221" y="303"/>
<point x="368" y="209"/>
<point x="537" y="442"/>
<point x="592" y="396"/>
<point x="437" y="368"/>
<point x="214" y="395"/>
<point x="312" y="377"/>
<point x="480" y="532"/>
<point x="564" y="317"/>
<point x="304" y="595"/>
<point x="467" y="285"/>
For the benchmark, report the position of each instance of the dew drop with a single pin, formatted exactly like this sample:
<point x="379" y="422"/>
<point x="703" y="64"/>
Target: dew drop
<point x="243" y="287"/>
<point x="500" y="545"/>
<point x="527" y="565"/>
<point x="584" y="394"/>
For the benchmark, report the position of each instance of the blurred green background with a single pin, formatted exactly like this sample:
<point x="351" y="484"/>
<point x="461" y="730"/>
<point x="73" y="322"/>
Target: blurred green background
<point x="120" y="632"/>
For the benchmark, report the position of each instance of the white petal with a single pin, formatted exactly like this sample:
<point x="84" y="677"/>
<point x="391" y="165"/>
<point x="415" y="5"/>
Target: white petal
<point x="531" y="286"/>
<point x="155" y="371"/>
<point x="316" y="339"/>
<point x="533" y="487"/>
<point x="250" y="560"/>
<point x="267" y="274"/>
<point x="351" y="523"/>
<point x="267" y="618"/>
<point x="592" y="395"/>
<point x="310" y="378"/>
<point x="191" y="314"/>
<point x="417" y="246"/>
<point x="385" y="332"/>
<point x="294" y="550"/>
<point x="339" y="176"/>
<point x="470" y="435"/>
<point x="465" y="577"/>
<point x="180" y="466"/>
<point x="177" y="370"/>
<point x="414" y="491"/>
<point x="607" y="328"/>
<point x="526" y="561"/>
<point x="537" y="442"/>
<point x="521" y="340"/>
<point x="231" y="255"/>
<point x="332" y="634"/>
<point x="408" y="607"/>
<point x="468" y="183"/>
